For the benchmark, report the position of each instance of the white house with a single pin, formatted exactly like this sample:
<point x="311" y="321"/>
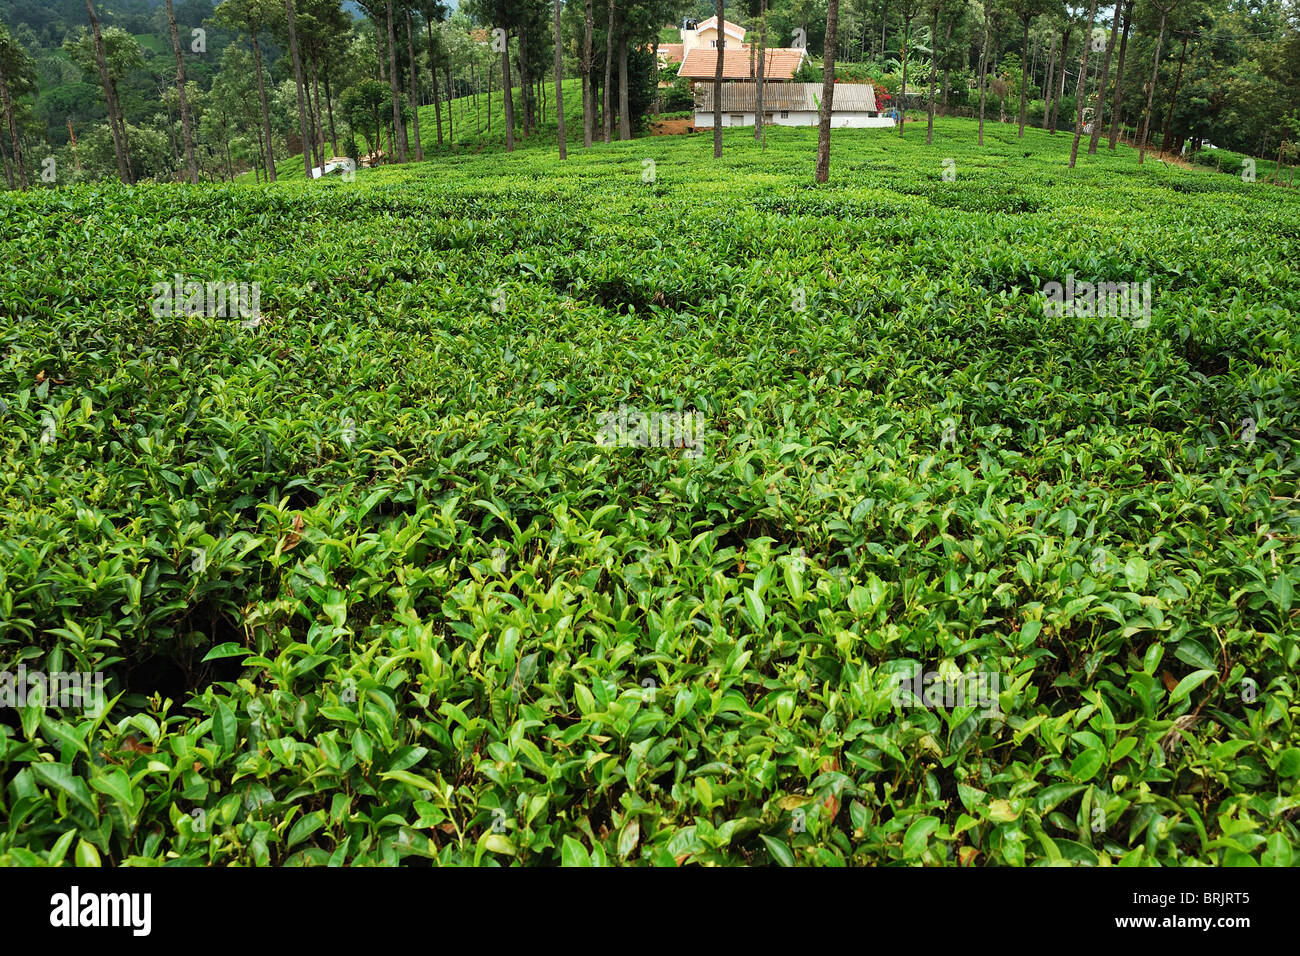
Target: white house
<point x="339" y="165"/>
<point x="704" y="34"/>
<point x="790" y="104"/>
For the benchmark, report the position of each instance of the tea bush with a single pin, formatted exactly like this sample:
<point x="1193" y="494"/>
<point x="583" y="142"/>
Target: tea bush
<point x="370" y="586"/>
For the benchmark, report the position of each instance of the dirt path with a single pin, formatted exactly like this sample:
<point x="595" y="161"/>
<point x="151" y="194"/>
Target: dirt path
<point x="672" y="127"/>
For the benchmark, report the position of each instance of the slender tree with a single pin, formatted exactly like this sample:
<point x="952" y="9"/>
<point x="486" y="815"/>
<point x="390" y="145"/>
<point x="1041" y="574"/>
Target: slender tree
<point x="297" y="78"/>
<point x="17" y="75"/>
<point x="1119" y="75"/>
<point x="449" y="73"/>
<point x="249" y="16"/>
<point x="760" y="74"/>
<point x="717" y="84"/>
<point x="180" y="90"/>
<point x="1173" y="97"/>
<point x="1058" y="85"/>
<point x="607" y="117"/>
<point x="1078" y="90"/>
<point x="1165" y="10"/>
<point x="399" y="124"/>
<point x="828" y="92"/>
<point x="624" y="101"/>
<point x="588" y="62"/>
<point x="1025" y="11"/>
<point x="984" y="60"/>
<point x="935" y="10"/>
<point x="507" y="98"/>
<point x="412" y="81"/>
<point x="1101" y="86"/>
<point x="116" y="125"/>
<point x="908" y="9"/>
<point x="434" y="11"/>
<point x="559" y="81"/>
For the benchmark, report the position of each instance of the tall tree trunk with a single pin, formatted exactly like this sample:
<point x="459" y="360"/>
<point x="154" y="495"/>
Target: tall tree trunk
<point x="1151" y="90"/>
<point x="1047" y="78"/>
<point x="1079" y="89"/>
<point x="525" y="87"/>
<point x="624" y="108"/>
<point x="126" y="140"/>
<point x="760" y="74"/>
<point x="13" y="135"/>
<point x="588" y="89"/>
<point x="180" y="90"/>
<point x="329" y="108"/>
<point x="984" y="79"/>
<point x="433" y="72"/>
<point x="115" y="127"/>
<point x="559" y="82"/>
<point x="9" y="169"/>
<point x="171" y="127"/>
<point x="608" y="118"/>
<point x="947" y="36"/>
<point x="1024" y="76"/>
<point x="934" y="71"/>
<point x="828" y="91"/>
<point x="297" y="79"/>
<point x="413" y="82"/>
<point x="399" y="124"/>
<point x="902" y="90"/>
<point x="451" y="87"/>
<point x="507" y="102"/>
<point x="266" y="113"/>
<point x="717" y="84"/>
<point x="1058" y="88"/>
<point x="1101" y="87"/>
<point x="318" y="125"/>
<point x="1173" y="98"/>
<point x="1119" y="75"/>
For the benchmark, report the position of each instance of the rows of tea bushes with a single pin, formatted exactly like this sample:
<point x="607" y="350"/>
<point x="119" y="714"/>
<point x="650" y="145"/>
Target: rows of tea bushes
<point x="369" y="583"/>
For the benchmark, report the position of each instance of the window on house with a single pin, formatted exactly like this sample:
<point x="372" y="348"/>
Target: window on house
<point x="785" y="114"/>
<point x="737" y="119"/>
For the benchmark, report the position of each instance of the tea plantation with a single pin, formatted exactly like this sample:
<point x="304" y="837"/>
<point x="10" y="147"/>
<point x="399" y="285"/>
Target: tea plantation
<point x="377" y="577"/>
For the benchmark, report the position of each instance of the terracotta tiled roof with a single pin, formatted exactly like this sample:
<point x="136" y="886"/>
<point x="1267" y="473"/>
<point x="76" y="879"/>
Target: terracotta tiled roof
<point x="671" y="52"/>
<point x="727" y="26"/>
<point x="702" y="63"/>
<point x="740" y="97"/>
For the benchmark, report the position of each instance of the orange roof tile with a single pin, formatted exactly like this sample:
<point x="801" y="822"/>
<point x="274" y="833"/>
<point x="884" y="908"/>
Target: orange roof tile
<point x="671" y="52"/>
<point x="701" y="64"/>
<point x="727" y="26"/>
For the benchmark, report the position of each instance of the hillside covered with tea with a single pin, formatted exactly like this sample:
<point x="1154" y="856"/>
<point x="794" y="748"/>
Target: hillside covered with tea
<point x="578" y="513"/>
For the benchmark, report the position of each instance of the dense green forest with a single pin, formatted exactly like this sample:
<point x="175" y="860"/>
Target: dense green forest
<point x="378" y="77"/>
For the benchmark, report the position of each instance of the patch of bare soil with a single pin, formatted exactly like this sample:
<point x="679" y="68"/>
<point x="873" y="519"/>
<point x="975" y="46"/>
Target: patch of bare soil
<point x="672" y="127"/>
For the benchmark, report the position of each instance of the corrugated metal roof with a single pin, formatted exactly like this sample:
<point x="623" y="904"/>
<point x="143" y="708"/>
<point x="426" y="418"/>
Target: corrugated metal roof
<point x="741" y="97"/>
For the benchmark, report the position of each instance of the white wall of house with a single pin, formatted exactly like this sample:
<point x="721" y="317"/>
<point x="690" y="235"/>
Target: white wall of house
<point x="839" y="119"/>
